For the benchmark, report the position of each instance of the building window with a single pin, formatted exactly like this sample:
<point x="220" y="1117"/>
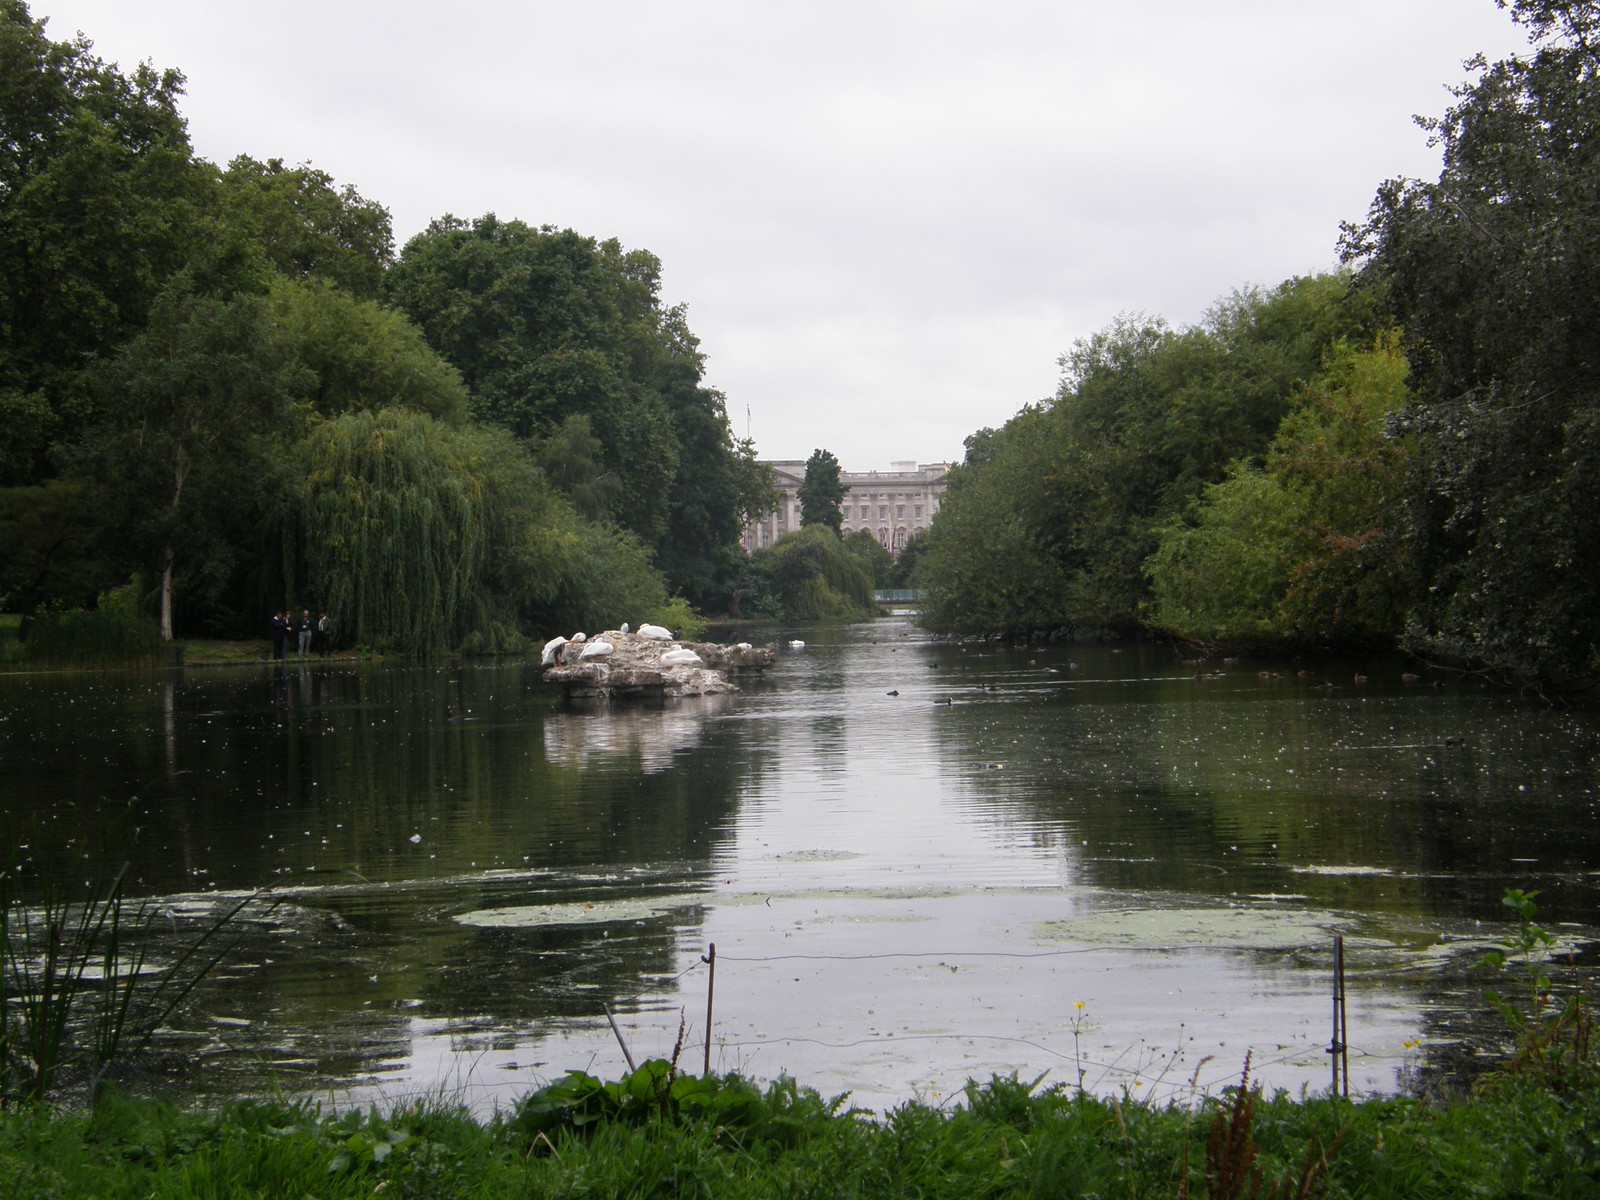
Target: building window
<point x="883" y="512"/>
<point x="918" y="510"/>
<point x="899" y="512"/>
<point x="863" y="512"/>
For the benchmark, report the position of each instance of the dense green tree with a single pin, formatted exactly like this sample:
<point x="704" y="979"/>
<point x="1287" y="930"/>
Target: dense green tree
<point x="52" y="555"/>
<point x="427" y="538"/>
<point x="904" y="572"/>
<point x="988" y="565"/>
<point x="571" y="459"/>
<point x="1490" y="270"/>
<point x="295" y="222"/>
<point x="815" y="577"/>
<point x="100" y="202"/>
<point x="879" y="562"/>
<point x="544" y="324"/>
<point x="178" y="442"/>
<point x="1049" y="522"/>
<point x="547" y="325"/>
<point x="1304" y="548"/>
<point x="1222" y="577"/>
<point x="360" y="355"/>
<point x="821" y="492"/>
<point x="399" y="528"/>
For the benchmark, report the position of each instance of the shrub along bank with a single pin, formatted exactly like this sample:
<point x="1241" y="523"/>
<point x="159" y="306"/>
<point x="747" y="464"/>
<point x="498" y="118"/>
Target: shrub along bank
<point x="720" y="1137"/>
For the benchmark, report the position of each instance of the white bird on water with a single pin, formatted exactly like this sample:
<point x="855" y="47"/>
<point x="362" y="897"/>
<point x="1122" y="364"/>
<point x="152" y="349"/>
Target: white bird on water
<point x="797" y="644"/>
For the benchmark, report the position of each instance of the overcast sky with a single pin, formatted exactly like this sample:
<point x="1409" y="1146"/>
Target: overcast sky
<point x="888" y="218"/>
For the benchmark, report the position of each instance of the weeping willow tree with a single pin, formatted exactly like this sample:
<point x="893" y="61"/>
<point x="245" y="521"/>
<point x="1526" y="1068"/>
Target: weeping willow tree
<point x="424" y="538"/>
<point x="399" y="522"/>
<point x="816" y="577"/>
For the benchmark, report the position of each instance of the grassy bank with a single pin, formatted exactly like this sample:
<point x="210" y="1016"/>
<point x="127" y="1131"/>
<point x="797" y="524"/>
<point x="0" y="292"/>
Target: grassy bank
<point x="1003" y="1140"/>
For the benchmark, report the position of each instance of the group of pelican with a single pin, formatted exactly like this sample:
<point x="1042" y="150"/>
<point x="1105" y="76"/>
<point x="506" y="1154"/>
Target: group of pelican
<point x="600" y="647"/>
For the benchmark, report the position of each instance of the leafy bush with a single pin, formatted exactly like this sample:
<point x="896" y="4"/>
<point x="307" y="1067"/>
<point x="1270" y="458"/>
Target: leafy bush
<point x="578" y="1103"/>
<point x="1555" y="1046"/>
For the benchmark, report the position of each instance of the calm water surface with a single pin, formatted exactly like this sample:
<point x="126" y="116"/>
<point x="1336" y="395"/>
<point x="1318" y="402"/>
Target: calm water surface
<point x="1077" y="861"/>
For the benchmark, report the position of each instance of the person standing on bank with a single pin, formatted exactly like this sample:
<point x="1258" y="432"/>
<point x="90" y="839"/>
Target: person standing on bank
<point x="306" y="629"/>
<point x="280" y="634"/>
<point x="321" y="638"/>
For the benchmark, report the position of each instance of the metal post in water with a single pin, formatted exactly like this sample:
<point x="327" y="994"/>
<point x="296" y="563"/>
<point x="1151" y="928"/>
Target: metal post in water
<point x="1338" y="1047"/>
<point x="620" y="1040"/>
<point x="711" y="988"/>
<point x="1344" y="1027"/>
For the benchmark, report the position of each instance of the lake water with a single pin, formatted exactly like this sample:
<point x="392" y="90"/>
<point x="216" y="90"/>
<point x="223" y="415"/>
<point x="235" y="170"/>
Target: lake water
<point x="1081" y="862"/>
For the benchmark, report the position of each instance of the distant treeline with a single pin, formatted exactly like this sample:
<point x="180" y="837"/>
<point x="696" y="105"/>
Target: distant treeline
<point x="1406" y="452"/>
<point x="223" y="393"/>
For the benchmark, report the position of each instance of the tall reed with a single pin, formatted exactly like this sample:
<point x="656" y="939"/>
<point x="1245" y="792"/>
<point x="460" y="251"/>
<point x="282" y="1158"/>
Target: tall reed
<point x="78" y="992"/>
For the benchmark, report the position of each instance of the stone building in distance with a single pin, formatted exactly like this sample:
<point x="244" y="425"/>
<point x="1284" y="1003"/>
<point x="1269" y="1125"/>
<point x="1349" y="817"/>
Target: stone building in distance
<point x="891" y="505"/>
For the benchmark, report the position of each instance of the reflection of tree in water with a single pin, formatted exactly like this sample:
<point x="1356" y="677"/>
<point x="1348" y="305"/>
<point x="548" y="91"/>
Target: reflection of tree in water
<point x="1404" y="800"/>
<point x="510" y="798"/>
<point x="645" y="737"/>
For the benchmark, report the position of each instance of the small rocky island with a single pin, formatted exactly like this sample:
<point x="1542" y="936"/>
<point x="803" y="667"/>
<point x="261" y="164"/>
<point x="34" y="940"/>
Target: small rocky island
<point x="650" y="662"/>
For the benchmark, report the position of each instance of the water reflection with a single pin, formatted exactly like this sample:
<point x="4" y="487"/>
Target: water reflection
<point x="916" y="860"/>
<point x="645" y="738"/>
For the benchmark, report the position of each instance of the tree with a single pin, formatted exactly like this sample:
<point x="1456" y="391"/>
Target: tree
<point x="1490" y="271"/>
<point x="361" y="355"/>
<point x="873" y="555"/>
<point x="176" y="446"/>
<point x="1303" y="548"/>
<point x="821" y="492"/>
<point x="571" y="459"/>
<point x="544" y="324"/>
<point x="547" y="325"/>
<point x="1050" y="521"/>
<point x="398" y="529"/>
<point x="427" y="538"/>
<point x="295" y="222"/>
<point x="52" y="556"/>
<point x="815" y="577"/>
<point x="904" y="572"/>
<point x="989" y="567"/>
<point x="101" y="202"/>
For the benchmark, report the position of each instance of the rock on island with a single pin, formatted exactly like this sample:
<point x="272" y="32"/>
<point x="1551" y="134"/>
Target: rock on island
<point x="614" y="663"/>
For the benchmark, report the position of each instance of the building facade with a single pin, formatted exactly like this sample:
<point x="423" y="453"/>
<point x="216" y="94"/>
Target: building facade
<point x="891" y="505"/>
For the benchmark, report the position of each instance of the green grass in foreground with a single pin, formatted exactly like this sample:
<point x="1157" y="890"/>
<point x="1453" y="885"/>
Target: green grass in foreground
<point x="1005" y="1140"/>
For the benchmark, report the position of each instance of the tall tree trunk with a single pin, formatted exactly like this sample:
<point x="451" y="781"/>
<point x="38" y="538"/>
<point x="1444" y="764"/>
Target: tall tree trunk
<point x="166" y="592"/>
<point x="180" y="472"/>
